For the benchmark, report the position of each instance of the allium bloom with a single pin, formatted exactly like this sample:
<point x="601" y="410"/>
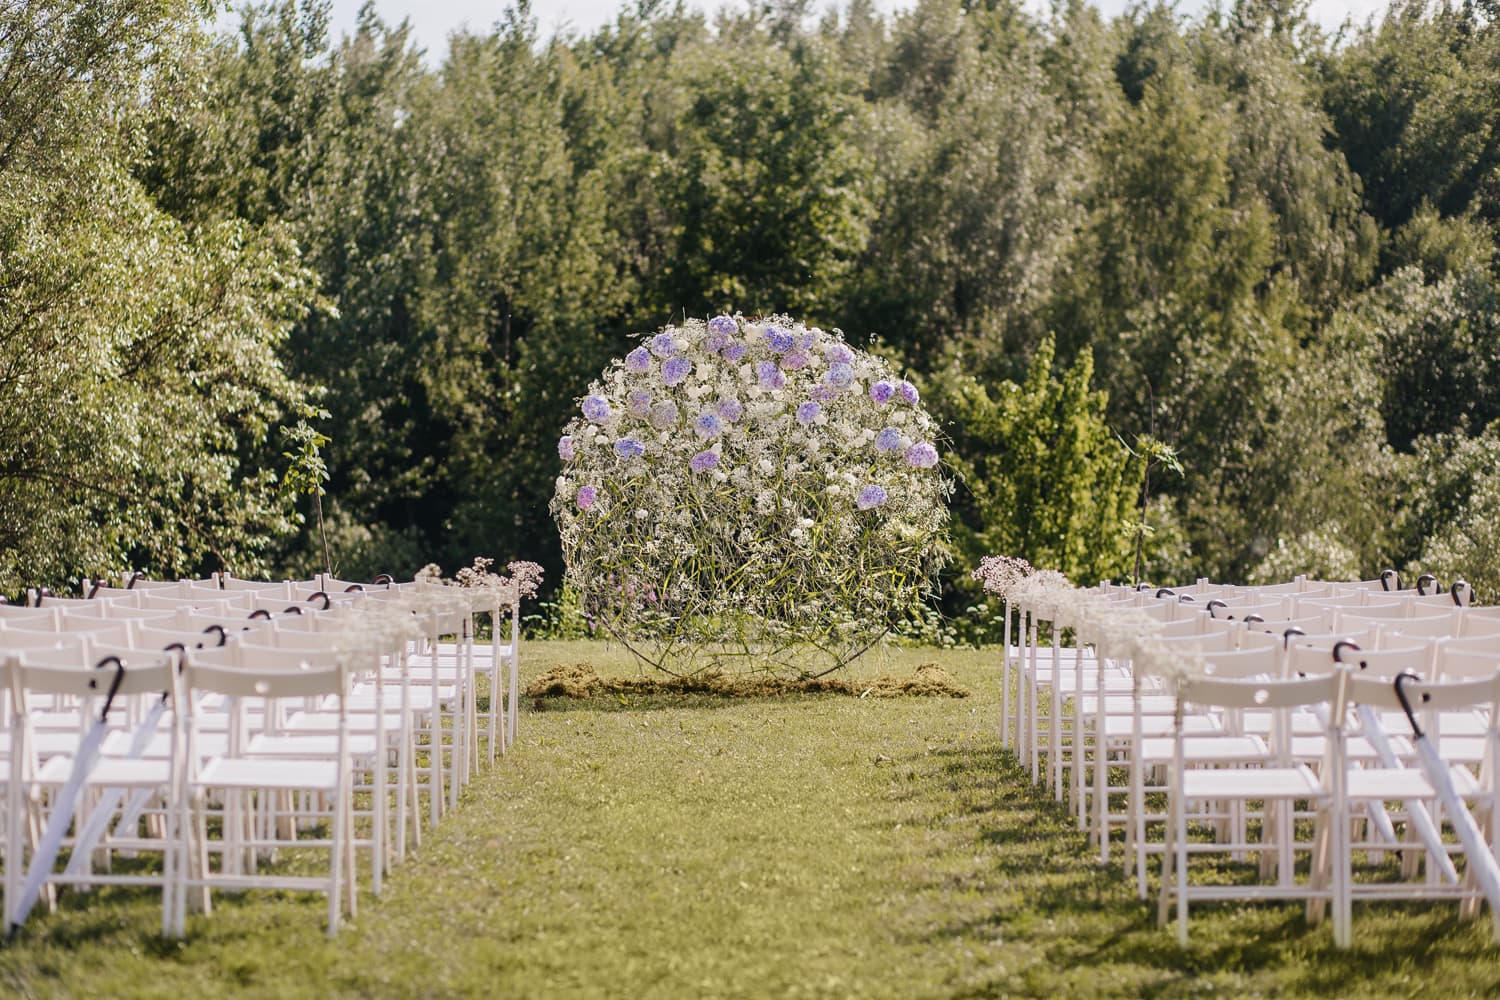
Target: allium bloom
<point x="734" y="353"/>
<point x="629" y="448"/>
<point x="921" y="455"/>
<point x="769" y="375"/>
<point x="565" y="447"/>
<point x="840" y="375"/>
<point x="675" y="370"/>
<point x="723" y="325"/>
<point x="586" y="495"/>
<point x="664" y="415"/>
<point x="707" y="425"/>
<point x="638" y="360"/>
<point x="639" y="402"/>
<point x="779" y="340"/>
<point x="870" y="497"/>
<point x="837" y="353"/>
<point x="907" y="392"/>
<point x="807" y="413"/>
<point x="731" y="410"/>
<point x="703" y="461"/>
<point x="596" y="409"/>
<point x="882" y="391"/>
<point x="888" y="440"/>
<point x="663" y="346"/>
<point x="793" y="360"/>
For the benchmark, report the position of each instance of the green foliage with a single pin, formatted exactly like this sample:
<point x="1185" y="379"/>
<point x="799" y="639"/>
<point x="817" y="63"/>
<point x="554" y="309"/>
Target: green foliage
<point x="1277" y="248"/>
<point x="141" y="356"/>
<point x="1041" y="475"/>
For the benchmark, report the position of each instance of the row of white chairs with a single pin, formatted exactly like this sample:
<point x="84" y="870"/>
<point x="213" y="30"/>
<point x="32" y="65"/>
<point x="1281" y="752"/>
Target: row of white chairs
<point x="1108" y="739"/>
<point x="217" y="724"/>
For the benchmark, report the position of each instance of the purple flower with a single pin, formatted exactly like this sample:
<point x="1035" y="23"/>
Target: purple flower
<point x="823" y="393"/>
<point x="723" y="325"/>
<point x="807" y="413"/>
<point x="779" y="340"/>
<point x="596" y="409"/>
<point x="731" y="410"/>
<point x="907" y="392"/>
<point x="675" y="370"/>
<point x="703" y="461"/>
<point x="586" y="495"/>
<point x="838" y="353"/>
<point x="921" y="455"/>
<point x="717" y="340"/>
<point x="629" y="448"/>
<point x="565" y="447"/>
<point x="663" y="346"/>
<point x="793" y="360"/>
<point x="707" y="425"/>
<point x="639" y="402"/>
<point x="734" y="353"/>
<point x="882" y="391"/>
<point x="840" y="375"/>
<point x="664" y="415"/>
<point x="769" y="375"/>
<point x="870" y="496"/>
<point x="805" y="341"/>
<point x="888" y="440"/>
<point x="638" y="360"/>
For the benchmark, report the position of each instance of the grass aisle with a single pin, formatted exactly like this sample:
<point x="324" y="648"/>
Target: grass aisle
<point x="689" y="846"/>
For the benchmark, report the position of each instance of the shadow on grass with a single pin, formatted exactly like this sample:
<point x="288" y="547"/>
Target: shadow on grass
<point x="1083" y="919"/>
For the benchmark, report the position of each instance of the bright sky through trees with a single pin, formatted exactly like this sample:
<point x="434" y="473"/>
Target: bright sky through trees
<point x="433" y="20"/>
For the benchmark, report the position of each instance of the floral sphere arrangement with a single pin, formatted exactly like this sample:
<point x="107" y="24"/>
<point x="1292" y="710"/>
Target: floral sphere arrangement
<point x="750" y="488"/>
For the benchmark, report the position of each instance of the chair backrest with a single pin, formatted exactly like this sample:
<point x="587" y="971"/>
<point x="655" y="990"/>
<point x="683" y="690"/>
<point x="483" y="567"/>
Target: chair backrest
<point x="260" y="672"/>
<point x="1264" y="694"/>
<point x="138" y="671"/>
<point x="117" y="596"/>
<point x="39" y="638"/>
<point x="1390" y="661"/>
<point x="1440" y="626"/>
<point x="15" y="616"/>
<point x="1452" y="661"/>
<point x="161" y="638"/>
<point x="119" y="633"/>
<point x="212" y="605"/>
<point x="263" y="588"/>
<point x="1242" y="663"/>
<point x="1310" y="624"/>
<point x="1426" y="695"/>
<point x="1204" y="642"/>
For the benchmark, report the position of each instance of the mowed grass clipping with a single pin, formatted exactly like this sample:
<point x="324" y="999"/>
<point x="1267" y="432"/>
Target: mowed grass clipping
<point x="693" y="845"/>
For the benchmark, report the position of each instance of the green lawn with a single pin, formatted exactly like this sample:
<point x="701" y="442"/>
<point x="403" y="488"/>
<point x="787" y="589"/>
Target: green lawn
<point x="690" y="846"/>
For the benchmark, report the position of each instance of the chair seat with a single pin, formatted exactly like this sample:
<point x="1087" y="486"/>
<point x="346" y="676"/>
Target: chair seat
<point x="159" y="747"/>
<point x="1252" y="783"/>
<point x="328" y="722"/>
<point x="109" y="772"/>
<point x="1458" y="749"/>
<point x="1449" y="723"/>
<point x="1160" y="725"/>
<point x="1303" y="724"/>
<point x="264" y="772"/>
<point x="308" y="745"/>
<point x="1206" y="749"/>
<point x="1356" y="748"/>
<point x="45" y="744"/>
<point x="1388" y="785"/>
